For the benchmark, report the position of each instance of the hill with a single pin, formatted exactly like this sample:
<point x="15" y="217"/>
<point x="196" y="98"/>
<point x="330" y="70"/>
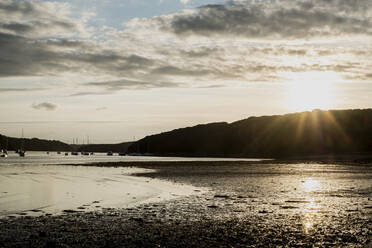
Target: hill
<point x="33" y="144"/>
<point x="121" y="147"/>
<point x="298" y="134"/>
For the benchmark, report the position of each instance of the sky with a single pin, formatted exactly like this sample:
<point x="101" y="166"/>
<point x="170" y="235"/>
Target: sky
<point x="119" y="70"/>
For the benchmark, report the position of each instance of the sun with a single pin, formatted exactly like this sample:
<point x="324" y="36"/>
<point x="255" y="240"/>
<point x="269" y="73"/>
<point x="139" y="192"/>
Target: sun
<point x="311" y="90"/>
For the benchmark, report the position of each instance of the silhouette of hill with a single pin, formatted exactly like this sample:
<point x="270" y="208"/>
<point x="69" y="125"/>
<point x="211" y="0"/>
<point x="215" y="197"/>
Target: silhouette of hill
<point x="33" y="144"/>
<point x="121" y="147"/>
<point x="298" y="134"/>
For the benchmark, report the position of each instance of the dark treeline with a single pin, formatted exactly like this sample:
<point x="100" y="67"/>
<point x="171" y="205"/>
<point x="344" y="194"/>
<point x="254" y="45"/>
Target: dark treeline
<point x="33" y="144"/>
<point x="122" y="147"/>
<point x="299" y="134"/>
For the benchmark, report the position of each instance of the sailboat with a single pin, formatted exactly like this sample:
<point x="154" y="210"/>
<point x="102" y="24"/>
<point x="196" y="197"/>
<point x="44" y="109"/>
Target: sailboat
<point x="4" y="153"/>
<point x="22" y="152"/>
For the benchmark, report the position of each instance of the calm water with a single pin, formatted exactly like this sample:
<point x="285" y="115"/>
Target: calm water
<point x="54" y="158"/>
<point x="39" y="189"/>
<point x="41" y="183"/>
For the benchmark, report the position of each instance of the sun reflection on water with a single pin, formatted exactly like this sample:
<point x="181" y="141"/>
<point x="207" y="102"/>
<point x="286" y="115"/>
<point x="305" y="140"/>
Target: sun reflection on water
<point x="310" y="185"/>
<point x="307" y="225"/>
<point x="312" y="206"/>
<point x="310" y="214"/>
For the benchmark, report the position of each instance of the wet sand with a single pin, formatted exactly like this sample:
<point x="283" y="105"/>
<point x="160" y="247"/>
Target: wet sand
<point x="246" y="204"/>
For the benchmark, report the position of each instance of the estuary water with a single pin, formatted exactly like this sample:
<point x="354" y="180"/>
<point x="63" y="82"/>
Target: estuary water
<point x="40" y="158"/>
<point x="42" y="183"/>
<point x="260" y="204"/>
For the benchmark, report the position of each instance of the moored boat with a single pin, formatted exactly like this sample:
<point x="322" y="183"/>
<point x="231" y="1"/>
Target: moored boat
<point x="21" y="151"/>
<point x="4" y="154"/>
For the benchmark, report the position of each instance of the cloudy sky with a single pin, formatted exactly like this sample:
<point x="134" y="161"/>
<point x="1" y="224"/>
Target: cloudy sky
<point x="118" y="70"/>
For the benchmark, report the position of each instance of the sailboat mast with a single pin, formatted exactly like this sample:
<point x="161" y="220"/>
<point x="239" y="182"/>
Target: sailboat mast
<point x="22" y="141"/>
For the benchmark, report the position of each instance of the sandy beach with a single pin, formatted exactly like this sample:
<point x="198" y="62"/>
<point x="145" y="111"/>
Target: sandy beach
<point x="237" y="204"/>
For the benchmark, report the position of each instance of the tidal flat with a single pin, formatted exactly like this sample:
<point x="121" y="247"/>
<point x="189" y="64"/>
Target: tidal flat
<point x="237" y="204"/>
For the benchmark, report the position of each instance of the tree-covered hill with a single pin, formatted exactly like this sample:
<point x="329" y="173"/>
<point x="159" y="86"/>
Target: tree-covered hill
<point x="34" y="144"/>
<point x="307" y="133"/>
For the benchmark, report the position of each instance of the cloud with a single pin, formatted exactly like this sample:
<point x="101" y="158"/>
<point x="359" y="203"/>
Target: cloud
<point x="91" y="93"/>
<point x="281" y="19"/>
<point x="4" y="90"/>
<point x="212" y="86"/>
<point x="29" y="57"/>
<point x="36" y="38"/>
<point x="37" y="18"/>
<point x="112" y="86"/>
<point x="359" y="77"/>
<point x="239" y="41"/>
<point x="45" y="105"/>
<point x="175" y="71"/>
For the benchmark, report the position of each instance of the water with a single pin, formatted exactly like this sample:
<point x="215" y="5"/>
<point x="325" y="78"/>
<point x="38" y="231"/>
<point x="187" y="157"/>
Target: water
<point x="54" y="158"/>
<point x="42" y="183"/>
<point x="40" y="189"/>
<point x="326" y="205"/>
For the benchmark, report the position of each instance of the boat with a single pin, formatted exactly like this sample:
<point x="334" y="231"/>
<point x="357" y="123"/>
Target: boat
<point x="21" y="151"/>
<point x="4" y="154"/>
<point x="74" y="153"/>
<point x="66" y="153"/>
<point x="58" y="152"/>
<point x="85" y="153"/>
<point x="122" y="153"/>
<point x="110" y="153"/>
